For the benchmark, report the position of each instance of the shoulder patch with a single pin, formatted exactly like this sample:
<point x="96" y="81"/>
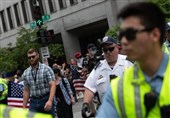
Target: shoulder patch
<point x="97" y="65"/>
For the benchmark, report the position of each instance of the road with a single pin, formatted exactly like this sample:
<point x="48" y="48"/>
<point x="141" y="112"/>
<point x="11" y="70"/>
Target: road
<point x="77" y="108"/>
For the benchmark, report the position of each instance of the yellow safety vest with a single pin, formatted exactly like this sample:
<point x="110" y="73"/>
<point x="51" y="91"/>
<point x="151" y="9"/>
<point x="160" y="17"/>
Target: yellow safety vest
<point x="5" y="92"/>
<point x="9" y="112"/>
<point x="165" y="49"/>
<point x="128" y="94"/>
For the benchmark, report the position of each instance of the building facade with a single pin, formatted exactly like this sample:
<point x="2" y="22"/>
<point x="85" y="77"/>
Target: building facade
<point x="75" y="22"/>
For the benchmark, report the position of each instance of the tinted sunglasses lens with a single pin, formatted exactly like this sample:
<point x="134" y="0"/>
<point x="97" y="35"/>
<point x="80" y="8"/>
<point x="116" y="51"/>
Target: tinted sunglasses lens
<point x="128" y="33"/>
<point x="31" y="57"/>
<point x="109" y="49"/>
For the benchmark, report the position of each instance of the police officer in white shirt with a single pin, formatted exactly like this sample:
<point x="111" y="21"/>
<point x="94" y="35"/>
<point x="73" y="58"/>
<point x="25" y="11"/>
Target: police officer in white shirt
<point x="99" y="78"/>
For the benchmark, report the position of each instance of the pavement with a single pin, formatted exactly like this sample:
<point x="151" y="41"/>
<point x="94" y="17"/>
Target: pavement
<point x="77" y="108"/>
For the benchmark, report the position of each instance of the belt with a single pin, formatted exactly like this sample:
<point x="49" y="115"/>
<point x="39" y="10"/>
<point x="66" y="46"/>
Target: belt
<point x="39" y="97"/>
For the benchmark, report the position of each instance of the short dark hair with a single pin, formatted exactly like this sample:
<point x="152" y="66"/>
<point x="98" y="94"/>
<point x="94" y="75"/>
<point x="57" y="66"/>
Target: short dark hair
<point x="149" y="13"/>
<point x="57" y="71"/>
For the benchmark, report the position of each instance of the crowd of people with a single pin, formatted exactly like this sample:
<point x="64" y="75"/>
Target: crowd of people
<point x="134" y="85"/>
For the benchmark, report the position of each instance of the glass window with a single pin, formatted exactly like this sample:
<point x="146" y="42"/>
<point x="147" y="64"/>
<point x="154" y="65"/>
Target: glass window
<point x="72" y="2"/>
<point x="50" y="2"/>
<point x="62" y="4"/>
<point x="3" y="20"/>
<point x="25" y="10"/>
<point x="9" y="13"/>
<point x="16" y="10"/>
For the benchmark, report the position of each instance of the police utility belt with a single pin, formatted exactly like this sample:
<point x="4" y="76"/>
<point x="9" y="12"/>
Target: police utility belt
<point x="42" y="96"/>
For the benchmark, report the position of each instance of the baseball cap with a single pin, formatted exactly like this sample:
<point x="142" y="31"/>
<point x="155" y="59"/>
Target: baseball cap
<point x="77" y="55"/>
<point x="107" y="40"/>
<point x="168" y="26"/>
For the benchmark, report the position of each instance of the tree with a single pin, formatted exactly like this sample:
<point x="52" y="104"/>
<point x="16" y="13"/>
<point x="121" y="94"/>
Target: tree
<point x="164" y="5"/>
<point x="13" y="57"/>
<point x="113" y="32"/>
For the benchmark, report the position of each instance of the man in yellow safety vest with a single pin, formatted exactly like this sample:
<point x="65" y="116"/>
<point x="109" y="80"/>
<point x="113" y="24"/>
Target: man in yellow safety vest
<point x="144" y="89"/>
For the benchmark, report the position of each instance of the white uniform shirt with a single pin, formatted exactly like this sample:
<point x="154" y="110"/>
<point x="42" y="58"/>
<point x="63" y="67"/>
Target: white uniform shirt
<point x="99" y="78"/>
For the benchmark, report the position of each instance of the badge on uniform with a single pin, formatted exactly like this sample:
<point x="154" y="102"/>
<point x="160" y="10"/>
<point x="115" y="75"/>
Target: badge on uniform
<point x="100" y="77"/>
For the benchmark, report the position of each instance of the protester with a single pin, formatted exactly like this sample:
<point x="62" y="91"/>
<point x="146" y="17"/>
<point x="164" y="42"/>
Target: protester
<point x="64" y="96"/>
<point x="144" y="89"/>
<point x="90" y="60"/>
<point x="39" y="85"/>
<point x="99" y="78"/>
<point x="79" y="58"/>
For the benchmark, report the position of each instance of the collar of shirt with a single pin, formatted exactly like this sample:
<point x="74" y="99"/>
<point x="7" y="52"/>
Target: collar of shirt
<point x="119" y="62"/>
<point x="162" y="68"/>
<point x="38" y="65"/>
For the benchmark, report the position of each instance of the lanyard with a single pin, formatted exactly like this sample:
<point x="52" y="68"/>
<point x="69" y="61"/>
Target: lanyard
<point x="34" y="76"/>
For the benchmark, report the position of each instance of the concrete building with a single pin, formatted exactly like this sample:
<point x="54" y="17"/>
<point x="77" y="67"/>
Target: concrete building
<point x="75" y="22"/>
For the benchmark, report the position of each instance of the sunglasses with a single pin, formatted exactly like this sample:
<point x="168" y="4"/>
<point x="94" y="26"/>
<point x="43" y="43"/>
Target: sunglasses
<point x="105" y="50"/>
<point x="130" y="33"/>
<point x="31" y="57"/>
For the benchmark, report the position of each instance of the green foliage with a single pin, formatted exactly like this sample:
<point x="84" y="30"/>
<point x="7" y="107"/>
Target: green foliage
<point x="113" y="32"/>
<point x="11" y="58"/>
<point x="164" y="5"/>
<point x="56" y="50"/>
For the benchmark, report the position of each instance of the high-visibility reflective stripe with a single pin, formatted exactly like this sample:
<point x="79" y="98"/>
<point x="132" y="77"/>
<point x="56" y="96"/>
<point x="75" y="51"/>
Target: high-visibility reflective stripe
<point x="6" y="113"/>
<point x="30" y="115"/>
<point x="137" y="94"/>
<point x="120" y="98"/>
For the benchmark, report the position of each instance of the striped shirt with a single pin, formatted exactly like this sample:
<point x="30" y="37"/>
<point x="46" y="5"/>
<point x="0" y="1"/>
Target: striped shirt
<point x="38" y="80"/>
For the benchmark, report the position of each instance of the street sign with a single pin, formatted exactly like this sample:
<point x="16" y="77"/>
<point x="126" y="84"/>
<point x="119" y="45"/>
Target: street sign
<point x="46" y="17"/>
<point x="33" y="24"/>
<point x="45" y="52"/>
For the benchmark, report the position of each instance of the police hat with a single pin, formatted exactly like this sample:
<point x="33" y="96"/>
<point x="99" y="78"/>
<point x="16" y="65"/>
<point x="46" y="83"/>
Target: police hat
<point x="107" y="40"/>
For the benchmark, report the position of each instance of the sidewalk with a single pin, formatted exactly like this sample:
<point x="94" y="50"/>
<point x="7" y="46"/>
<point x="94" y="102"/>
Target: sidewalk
<point x="77" y="109"/>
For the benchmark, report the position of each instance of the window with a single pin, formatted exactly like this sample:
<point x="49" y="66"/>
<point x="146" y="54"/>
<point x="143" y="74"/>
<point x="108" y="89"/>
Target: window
<point x="52" y="6"/>
<point x="3" y="21"/>
<point x="62" y="4"/>
<point x="16" y="10"/>
<point x="72" y="2"/>
<point x="24" y="10"/>
<point x="10" y="18"/>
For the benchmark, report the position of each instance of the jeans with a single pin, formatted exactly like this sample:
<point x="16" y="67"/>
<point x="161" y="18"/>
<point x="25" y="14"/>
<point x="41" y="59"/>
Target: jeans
<point x="37" y="105"/>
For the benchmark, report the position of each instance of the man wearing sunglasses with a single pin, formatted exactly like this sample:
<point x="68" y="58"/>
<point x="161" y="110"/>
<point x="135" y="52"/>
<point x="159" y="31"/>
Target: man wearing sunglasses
<point x="99" y="78"/>
<point x="39" y="85"/>
<point x="144" y="89"/>
<point x="166" y="44"/>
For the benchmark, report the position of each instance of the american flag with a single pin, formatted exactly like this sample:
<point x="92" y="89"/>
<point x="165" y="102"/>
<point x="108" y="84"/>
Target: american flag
<point x="15" y="95"/>
<point x="79" y="85"/>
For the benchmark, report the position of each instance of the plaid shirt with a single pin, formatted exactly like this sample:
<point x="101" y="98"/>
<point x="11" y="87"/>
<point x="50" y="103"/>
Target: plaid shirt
<point x="37" y="80"/>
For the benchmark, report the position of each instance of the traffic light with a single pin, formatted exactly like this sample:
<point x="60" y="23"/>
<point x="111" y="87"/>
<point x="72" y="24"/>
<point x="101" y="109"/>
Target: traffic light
<point x="45" y="36"/>
<point x="38" y="16"/>
<point x="41" y="35"/>
<point x="50" y="36"/>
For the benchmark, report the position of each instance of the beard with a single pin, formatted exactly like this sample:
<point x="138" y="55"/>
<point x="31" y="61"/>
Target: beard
<point x="33" y="62"/>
